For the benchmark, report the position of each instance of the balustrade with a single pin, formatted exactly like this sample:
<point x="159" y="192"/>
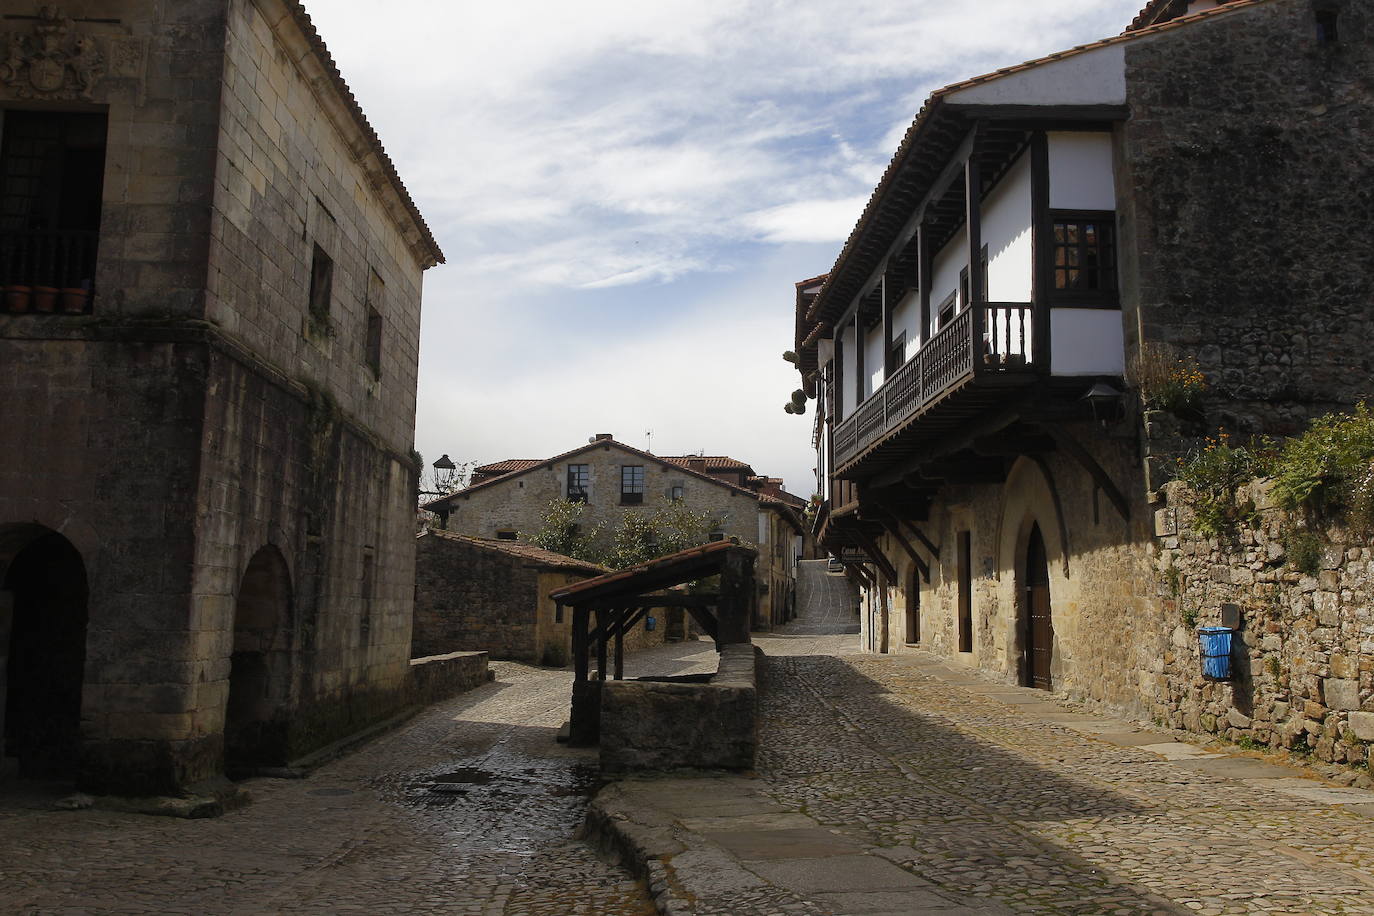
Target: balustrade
<point x="946" y="360"/>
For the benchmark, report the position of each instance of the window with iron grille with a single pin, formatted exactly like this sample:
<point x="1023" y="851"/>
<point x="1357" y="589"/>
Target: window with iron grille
<point x="579" y="479"/>
<point x="631" y="484"/>
<point x="1084" y="255"/>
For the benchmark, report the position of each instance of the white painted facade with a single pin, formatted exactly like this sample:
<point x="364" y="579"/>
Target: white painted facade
<point x="1087" y="342"/>
<point x="873" y="361"/>
<point x="944" y="274"/>
<point x="1007" y="220"/>
<point x="1081" y="175"/>
<point x="1096" y="77"/>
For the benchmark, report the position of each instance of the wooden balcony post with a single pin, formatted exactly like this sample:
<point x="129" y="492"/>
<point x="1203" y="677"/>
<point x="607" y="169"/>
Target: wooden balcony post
<point x="837" y="383"/>
<point x="973" y="206"/>
<point x="859" y="367"/>
<point x="1042" y="252"/>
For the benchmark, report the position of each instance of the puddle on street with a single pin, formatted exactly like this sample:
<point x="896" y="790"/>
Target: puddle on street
<point x="503" y="801"/>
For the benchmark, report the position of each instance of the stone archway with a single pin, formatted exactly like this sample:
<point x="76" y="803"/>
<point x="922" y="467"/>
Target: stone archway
<point x="44" y="599"/>
<point x="260" y="667"/>
<point x="1033" y="555"/>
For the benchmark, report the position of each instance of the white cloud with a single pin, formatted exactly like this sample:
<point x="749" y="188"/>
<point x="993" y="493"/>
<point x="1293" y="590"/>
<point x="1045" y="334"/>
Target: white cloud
<point x="626" y="191"/>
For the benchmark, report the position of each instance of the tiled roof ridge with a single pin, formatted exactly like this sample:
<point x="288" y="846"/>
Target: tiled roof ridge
<point x="923" y="117"/>
<point x="521" y="550"/>
<point x="312" y="35"/>
<point x="549" y="462"/>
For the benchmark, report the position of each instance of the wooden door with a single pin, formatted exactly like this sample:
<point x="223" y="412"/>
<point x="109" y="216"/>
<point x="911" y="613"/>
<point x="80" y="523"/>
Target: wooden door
<point x="1039" y="624"/>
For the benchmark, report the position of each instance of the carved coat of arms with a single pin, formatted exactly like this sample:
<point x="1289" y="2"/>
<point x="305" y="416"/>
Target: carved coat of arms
<point x="55" y="61"/>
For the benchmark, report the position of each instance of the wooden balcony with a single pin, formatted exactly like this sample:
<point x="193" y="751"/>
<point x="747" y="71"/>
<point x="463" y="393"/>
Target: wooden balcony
<point x="964" y="357"/>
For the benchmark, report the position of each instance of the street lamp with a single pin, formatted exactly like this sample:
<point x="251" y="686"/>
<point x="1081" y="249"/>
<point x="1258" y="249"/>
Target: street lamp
<point x="444" y="471"/>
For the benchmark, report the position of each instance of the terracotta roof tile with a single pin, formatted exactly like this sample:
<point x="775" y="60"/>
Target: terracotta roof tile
<point x="661" y="565"/>
<point x="713" y="462"/>
<point x="529" y="552"/>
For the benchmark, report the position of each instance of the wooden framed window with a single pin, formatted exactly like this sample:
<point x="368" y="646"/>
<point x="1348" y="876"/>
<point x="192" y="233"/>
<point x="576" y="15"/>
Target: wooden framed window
<point x="1084" y="255"/>
<point x="579" y="480"/>
<point x="945" y="314"/>
<point x="631" y="484"/>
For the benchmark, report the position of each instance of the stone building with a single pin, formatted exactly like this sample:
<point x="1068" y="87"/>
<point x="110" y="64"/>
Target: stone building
<point x="608" y="477"/>
<point x="508" y="500"/>
<point x="212" y="281"/>
<point x="1040" y="232"/>
<point x="474" y="594"/>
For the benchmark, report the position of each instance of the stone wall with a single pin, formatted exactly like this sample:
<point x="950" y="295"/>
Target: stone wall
<point x="439" y="677"/>
<point x="1304" y="654"/>
<point x="472" y="595"/>
<point x="192" y="423"/>
<point x="1099" y="572"/>
<point x="1247" y="141"/>
<point x="664" y="725"/>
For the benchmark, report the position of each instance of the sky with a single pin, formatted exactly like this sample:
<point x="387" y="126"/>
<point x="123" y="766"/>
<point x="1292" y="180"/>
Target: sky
<point x="626" y="192"/>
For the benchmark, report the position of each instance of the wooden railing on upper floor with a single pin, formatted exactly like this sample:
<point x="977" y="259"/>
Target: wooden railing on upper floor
<point x="948" y="359"/>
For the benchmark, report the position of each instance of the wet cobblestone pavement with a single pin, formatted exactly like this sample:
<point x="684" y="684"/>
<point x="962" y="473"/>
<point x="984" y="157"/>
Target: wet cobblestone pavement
<point x="470" y="808"/>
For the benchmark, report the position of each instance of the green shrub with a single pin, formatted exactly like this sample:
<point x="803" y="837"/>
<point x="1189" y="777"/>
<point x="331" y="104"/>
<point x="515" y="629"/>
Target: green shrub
<point x="1304" y="550"/>
<point x="1214" y="473"/>
<point x="1329" y="469"/>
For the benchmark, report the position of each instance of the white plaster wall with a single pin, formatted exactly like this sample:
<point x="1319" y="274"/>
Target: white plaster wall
<point x="1081" y="171"/>
<point x="873" y="360"/>
<point x="906" y="317"/>
<point x="1007" y="233"/>
<point x="1096" y="77"/>
<point x="1087" y="342"/>
<point x="945" y="271"/>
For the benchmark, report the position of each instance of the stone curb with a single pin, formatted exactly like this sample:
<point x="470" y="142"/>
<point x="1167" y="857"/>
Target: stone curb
<point x="642" y="840"/>
<point x="646" y="839"/>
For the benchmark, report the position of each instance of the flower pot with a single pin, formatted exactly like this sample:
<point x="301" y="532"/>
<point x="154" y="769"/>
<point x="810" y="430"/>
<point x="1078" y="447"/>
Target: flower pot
<point x="44" y="298"/>
<point x="17" y="298"/>
<point x="74" y="299"/>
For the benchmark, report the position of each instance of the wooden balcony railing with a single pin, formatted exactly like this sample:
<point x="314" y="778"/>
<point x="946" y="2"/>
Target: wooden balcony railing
<point x="947" y="359"/>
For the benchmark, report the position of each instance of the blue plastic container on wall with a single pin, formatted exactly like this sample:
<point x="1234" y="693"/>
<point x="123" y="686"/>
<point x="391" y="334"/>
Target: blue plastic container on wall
<point x="1216" y="652"/>
<point x="650" y="623"/>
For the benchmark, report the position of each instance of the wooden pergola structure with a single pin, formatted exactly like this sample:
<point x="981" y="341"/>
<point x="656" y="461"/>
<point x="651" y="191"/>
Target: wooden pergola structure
<point x="621" y="599"/>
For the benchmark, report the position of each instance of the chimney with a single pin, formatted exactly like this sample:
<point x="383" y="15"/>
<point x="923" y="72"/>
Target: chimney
<point x="697" y="464"/>
<point x="601" y="437"/>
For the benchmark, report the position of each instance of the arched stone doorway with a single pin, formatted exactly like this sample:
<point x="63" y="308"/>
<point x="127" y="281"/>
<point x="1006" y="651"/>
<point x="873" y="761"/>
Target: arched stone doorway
<point x="260" y="667"/>
<point x="1037" y="622"/>
<point x="43" y="615"/>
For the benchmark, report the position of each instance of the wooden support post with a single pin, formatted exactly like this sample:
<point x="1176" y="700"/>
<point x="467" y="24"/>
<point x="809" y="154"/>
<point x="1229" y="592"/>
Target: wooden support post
<point x="923" y="278"/>
<point x="1042" y="252"/>
<point x="973" y="211"/>
<point x="859" y="368"/>
<point x="737" y="599"/>
<point x="620" y="645"/>
<point x="601" y="618"/>
<point x="580" y="622"/>
<point x="837" y="384"/>
<point x="870" y="547"/>
<point x="891" y="525"/>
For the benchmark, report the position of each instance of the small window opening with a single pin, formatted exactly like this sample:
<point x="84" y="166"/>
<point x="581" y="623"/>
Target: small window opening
<point x="1328" y="31"/>
<point x="374" y="342"/>
<point x="505" y="535"/>
<point x="321" y="284"/>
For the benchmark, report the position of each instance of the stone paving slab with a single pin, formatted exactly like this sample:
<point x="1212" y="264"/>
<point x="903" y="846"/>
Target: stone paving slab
<point x="851" y="873"/>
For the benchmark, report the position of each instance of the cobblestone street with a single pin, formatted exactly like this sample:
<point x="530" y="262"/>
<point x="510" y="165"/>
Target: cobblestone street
<point x="886" y="785"/>
<point x="468" y="809"/>
<point x="998" y="799"/>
